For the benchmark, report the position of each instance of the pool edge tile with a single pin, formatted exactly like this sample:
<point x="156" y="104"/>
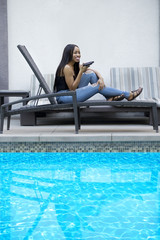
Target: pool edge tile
<point x="76" y="138"/>
<point x="134" y="138"/>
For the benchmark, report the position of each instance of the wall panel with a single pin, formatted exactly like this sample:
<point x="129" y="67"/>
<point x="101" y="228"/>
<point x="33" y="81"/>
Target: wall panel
<point x="3" y="45"/>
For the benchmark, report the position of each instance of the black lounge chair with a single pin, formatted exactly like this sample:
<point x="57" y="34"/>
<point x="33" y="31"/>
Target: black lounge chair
<point x="9" y="109"/>
<point x="112" y="106"/>
<point x="122" y="106"/>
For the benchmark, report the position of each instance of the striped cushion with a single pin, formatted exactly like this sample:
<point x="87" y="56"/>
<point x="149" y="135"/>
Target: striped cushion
<point x="49" y="78"/>
<point x="131" y="78"/>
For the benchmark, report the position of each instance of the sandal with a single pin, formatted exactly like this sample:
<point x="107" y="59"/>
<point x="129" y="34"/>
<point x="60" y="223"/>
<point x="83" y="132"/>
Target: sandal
<point x="134" y="94"/>
<point x="116" y="98"/>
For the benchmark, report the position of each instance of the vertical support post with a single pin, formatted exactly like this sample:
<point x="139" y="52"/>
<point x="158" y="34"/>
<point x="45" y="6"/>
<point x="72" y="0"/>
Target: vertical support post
<point x="159" y="31"/>
<point x="75" y="112"/>
<point x="155" y="117"/>
<point x="3" y="46"/>
<point x="1" y="120"/>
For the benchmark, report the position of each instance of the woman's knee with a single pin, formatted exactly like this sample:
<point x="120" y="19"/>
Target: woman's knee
<point x="92" y="75"/>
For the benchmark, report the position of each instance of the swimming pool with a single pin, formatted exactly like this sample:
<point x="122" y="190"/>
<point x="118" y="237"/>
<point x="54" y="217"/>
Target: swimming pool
<point x="86" y="196"/>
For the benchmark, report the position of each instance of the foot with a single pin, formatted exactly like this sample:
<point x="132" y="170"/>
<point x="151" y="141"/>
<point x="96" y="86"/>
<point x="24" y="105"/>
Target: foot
<point x="134" y="94"/>
<point x="116" y="98"/>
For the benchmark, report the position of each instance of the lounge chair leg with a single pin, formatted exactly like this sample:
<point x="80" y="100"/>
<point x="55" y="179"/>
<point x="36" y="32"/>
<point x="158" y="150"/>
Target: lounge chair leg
<point x="79" y="119"/>
<point x="155" y="117"/>
<point x="76" y="122"/>
<point x="2" y="122"/>
<point x="8" y="122"/>
<point x="75" y="111"/>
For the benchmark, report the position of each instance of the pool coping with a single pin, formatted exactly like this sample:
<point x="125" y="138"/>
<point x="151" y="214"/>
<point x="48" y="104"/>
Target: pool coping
<point x="113" y="137"/>
<point x="62" y="138"/>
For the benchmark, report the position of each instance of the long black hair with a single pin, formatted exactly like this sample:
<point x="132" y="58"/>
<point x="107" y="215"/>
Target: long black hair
<point x="66" y="58"/>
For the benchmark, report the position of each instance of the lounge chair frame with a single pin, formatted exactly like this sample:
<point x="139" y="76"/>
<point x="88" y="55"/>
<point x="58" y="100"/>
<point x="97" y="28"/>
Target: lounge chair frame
<point x="123" y="106"/>
<point x="7" y="110"/>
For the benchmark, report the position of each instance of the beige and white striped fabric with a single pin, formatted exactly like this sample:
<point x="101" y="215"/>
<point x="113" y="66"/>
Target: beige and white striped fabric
<point x="131" y="78"/>
<point x="49" y="78"/>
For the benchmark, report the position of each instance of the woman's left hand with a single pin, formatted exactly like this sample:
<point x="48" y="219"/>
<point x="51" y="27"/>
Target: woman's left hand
<point x="101" y="83"/>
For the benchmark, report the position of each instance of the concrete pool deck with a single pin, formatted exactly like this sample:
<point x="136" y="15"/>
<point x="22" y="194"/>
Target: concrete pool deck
<point x="89" y="133"/>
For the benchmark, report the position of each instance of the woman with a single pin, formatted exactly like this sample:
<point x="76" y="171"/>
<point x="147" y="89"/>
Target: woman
<point x="70" y="75"/>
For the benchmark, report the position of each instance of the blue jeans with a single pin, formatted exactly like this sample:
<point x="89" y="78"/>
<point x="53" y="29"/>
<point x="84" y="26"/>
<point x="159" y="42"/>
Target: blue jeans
<point x="85" y="91"/>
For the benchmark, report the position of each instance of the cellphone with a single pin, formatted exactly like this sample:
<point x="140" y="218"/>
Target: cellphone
<point x="87" y="64"/>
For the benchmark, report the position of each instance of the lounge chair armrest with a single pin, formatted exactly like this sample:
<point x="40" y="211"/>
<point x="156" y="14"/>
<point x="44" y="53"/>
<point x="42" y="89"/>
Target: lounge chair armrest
<point x="69" y="93"/>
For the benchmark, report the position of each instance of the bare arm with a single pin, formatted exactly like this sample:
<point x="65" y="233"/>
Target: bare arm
<point x="69" y="76"/>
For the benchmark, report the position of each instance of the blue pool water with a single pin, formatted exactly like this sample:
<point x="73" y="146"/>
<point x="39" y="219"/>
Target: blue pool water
<point x="85" y="196"/>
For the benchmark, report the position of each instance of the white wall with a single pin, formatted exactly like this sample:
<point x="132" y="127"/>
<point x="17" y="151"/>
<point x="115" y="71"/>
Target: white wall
<point x="110" y="32"/>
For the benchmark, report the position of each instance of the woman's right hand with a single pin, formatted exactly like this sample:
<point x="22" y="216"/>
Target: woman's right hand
<point x="83" y="68"/>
